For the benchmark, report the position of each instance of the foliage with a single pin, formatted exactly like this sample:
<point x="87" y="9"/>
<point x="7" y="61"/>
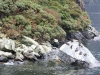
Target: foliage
<point x="41" y="19"/>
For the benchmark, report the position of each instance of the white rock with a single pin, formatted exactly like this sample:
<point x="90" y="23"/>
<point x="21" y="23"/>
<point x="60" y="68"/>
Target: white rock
<point x="46" y="48"/>
<point x="7" y="44"/>
<point x="7" y="54"/>
<point x="19" y="56"/>
<point x="79" y="52"/>
<point x="33" y="46"/>
<point x="55" y="40"/>
<point x="31" y="55"/>
<point x="31" y="40"/>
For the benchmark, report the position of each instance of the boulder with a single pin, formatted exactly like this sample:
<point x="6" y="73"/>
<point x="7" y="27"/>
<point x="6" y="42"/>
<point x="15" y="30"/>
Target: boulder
<point x="29" y="40"/>
<point x="54" y="42"/>
<point x="36" y="47"/>
<point x="74" y="52"/>
<point x="19" y="57"/>
<point x="7" y="54"/>
<point x="7" y="44"/>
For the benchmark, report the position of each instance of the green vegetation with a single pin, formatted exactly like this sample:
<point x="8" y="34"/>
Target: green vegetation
<point x="41" y="19"/>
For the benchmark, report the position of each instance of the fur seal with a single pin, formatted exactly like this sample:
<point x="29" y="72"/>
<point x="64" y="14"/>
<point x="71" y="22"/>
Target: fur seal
<point x="80" y="53"/>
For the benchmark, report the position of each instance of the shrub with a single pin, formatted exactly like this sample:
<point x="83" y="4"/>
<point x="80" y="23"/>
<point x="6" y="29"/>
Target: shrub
<point x="20" y="4"/>
<point x="21" y="20"/>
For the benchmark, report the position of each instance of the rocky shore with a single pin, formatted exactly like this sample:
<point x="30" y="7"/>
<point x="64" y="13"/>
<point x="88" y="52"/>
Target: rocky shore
<point x="13" y="52"/>
<point x="46" y="29"/>
<point x="84" y="35"/>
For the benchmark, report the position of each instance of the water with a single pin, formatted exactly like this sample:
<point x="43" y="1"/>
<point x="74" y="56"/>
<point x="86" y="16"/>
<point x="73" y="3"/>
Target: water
<point x="52" y="68"/>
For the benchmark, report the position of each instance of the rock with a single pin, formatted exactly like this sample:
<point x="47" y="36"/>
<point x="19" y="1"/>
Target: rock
<point x="55" y="42"/>
<point x="12" y="62"/>
<point x="7" y="54"/>
<point x="52" y="55"/>
<point x="21" y="48"/>
<point x="81" y="4"/>
<point x="77" y="53"/>
<point x="9" y="63"/>
<point x="72" y="61"/>
<point x="31" y="40"/>
<point x="19" y="57"/>
<point x="3" y="58"/>
<point x="77" y="36"/>
<point x="30" y="55"/>
<point x="90" y="33"/>
<point x="7" y="44"/>
<point x="84" y="35"/>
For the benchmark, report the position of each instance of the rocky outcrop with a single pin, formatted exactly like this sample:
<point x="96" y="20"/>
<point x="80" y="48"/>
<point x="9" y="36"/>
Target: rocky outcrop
<point x="12" y="50"/>
<point x="81" y="4"/>
<point x="72" y="52"/>
<point x="77" y="35"/>
<point x="75" y="53"/>
<point x="89" y="33"/>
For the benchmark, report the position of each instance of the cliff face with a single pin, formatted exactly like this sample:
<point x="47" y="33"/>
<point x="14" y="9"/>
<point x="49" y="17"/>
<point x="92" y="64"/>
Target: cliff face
<point x="81" y="4"/>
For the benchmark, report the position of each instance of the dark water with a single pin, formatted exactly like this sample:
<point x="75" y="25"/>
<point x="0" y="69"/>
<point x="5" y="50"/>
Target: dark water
<point x="51" y="68"/>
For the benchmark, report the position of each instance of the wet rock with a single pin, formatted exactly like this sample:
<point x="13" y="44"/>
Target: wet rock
<point x="3" y="58"/>
<point x="12" y="62"/>
<point x="72" y="61"/>
<point x="80" y="63"/>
